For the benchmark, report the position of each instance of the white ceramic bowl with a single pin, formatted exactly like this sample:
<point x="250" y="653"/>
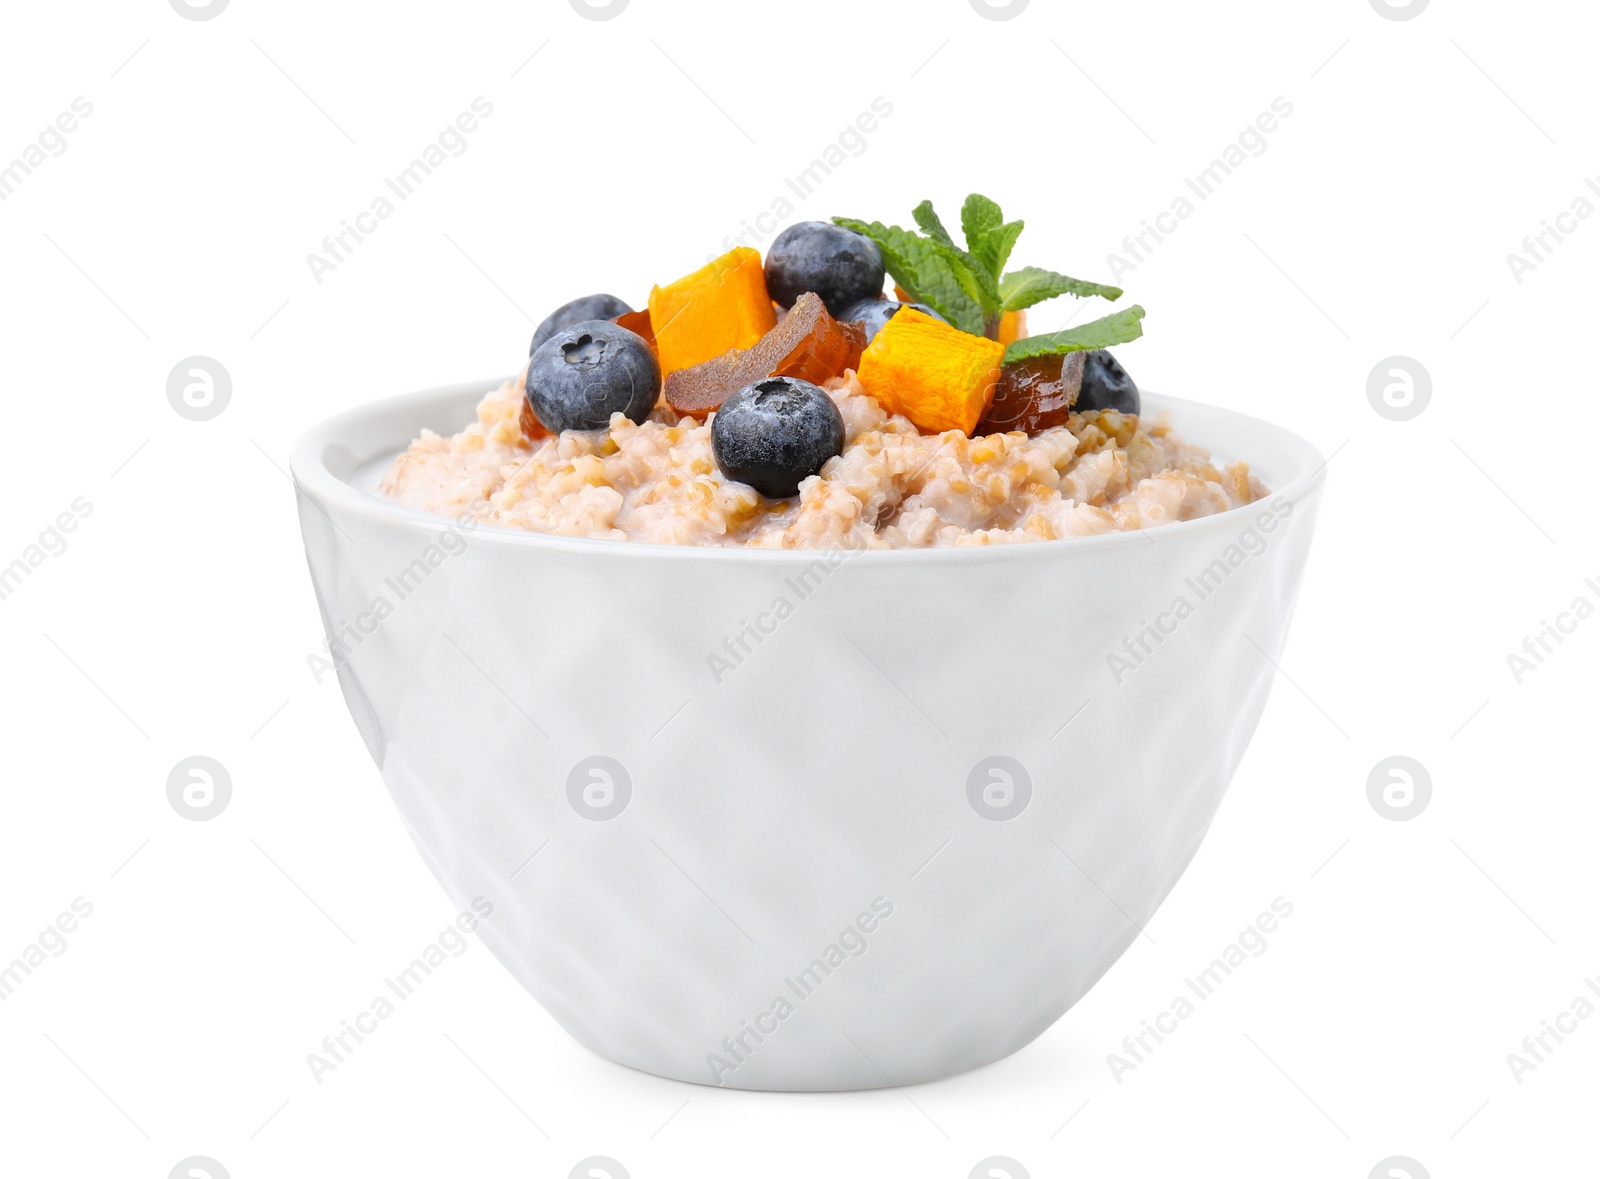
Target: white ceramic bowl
<point x="908" y="828"/>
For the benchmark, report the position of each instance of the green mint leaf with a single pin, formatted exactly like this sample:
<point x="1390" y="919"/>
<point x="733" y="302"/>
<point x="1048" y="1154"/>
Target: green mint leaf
<point x="979" y="218"/>
<point x="1117" y="328"/>
<point x="919" y="268"/>
<point x="1033" y="284"/>
<point x="977" y="283"/>
<point x="928" y="221"/>
<point x="989" y="235"/>
<point x="941" y="287"/>
<point x="998" y="247"/>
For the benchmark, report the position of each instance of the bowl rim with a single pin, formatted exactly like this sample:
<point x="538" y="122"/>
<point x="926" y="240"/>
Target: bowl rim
<point x="313" y="478"/>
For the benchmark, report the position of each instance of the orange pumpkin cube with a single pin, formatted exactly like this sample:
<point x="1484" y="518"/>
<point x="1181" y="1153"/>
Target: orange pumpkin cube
<point x="722" y="305"/>
<point x="936" y="375"/>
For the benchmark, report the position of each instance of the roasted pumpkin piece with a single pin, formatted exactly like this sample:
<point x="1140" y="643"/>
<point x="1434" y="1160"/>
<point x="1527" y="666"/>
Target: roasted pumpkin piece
<point x="1034" y="394"/>
<point x="823" y="347"/>
<point x="807" y="343"/>
<point x="936" y="375"/>
<point x="722" y="305"/>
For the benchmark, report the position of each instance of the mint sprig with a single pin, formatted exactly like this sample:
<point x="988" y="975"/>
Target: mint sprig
<point x="969" y="287"/>
<point x="1119" y="327"/>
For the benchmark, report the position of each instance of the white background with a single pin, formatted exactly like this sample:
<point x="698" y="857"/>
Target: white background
<point x="1377" y="222"/>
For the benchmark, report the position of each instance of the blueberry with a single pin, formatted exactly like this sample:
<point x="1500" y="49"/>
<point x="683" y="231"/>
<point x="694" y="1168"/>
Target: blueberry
<point x="872" y="314"/>
<point x="577" y="311"/>
<point x="837" y="263"/>
<point x="585" y="373"/>
<point x="774" y="433"/>
<point x="1106" y="385"/>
